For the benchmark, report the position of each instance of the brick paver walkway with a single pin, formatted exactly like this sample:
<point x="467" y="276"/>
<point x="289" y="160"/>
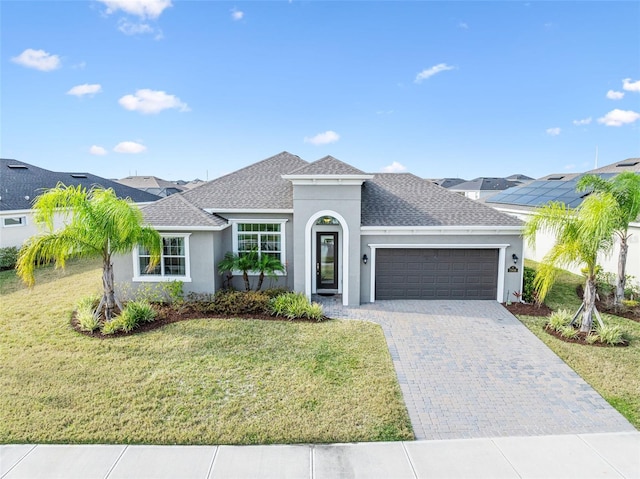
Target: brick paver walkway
<point x="470" y="369"/>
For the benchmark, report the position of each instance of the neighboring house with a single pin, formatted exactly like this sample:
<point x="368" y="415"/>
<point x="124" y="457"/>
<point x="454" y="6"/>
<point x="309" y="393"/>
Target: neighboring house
<point x="337" y="230"/>
<point x="522" y="201"/>
<point x="21" y="183"/>
<point x="447" y="182"/>
<point x="152" y="184"/>
<point x="483" y="187"/>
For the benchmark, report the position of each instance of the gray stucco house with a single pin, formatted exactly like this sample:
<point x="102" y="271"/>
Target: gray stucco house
<point x="337" y="230"/>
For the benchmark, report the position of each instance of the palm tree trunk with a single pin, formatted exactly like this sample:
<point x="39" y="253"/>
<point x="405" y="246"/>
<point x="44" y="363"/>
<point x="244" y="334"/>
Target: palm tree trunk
<point x="589" y="300"/>
<point x="245" y="277"/>
<point x="108" y="287"/>
<point x="260" y="280"/>
<point x="622" y="262"/>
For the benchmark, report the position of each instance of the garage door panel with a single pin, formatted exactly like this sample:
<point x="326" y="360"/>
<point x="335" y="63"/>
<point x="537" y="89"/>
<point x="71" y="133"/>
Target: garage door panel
<point x="436" y="273"/>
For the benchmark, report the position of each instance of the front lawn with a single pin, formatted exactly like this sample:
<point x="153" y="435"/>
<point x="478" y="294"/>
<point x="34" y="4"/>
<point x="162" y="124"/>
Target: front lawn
<point x="613" y="372"/>
<point x="193" y="382"/>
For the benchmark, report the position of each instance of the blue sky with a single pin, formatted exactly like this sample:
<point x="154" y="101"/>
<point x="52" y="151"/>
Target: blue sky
<point x="186" y="89"/>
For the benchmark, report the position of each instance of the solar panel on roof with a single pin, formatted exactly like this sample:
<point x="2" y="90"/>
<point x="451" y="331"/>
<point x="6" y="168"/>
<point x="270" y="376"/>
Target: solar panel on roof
<point x="628" y="163"/>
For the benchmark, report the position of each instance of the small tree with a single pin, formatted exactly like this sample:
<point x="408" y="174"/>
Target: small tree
<point x="263" y="264"/>
<point x="267" y="265"/>
<point x="625" y="189"/>
<point x="97" y="224"/>
<point x="580" y="235"/>
<point x="235" y="262"/>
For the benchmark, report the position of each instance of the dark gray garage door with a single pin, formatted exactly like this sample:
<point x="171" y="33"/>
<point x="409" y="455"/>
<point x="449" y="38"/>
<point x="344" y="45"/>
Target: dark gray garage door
<point x="436" y="273"/>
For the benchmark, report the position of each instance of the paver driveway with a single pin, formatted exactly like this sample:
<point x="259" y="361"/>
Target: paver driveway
<point x="471" y="369"/>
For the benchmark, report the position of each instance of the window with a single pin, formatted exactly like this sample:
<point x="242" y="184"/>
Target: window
<point x="14" y="221"/>
<point x="174" y="260"/>
<point x="263" y="236"/>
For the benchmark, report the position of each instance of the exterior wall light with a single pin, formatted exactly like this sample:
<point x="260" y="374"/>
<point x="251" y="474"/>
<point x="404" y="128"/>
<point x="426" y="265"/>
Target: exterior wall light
<point x="365" y="258"/>
<point x="515" y="258"/>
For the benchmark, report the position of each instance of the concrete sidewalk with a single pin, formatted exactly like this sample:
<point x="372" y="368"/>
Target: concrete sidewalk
<point x="568" y="456"/>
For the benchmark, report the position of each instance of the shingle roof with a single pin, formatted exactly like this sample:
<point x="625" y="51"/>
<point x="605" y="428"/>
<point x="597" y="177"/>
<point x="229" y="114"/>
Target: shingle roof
<point x="175" y="210"/>
<point x="403" y="199"/>
<point x="630" y="164"/>
<point x="447" y="182"/>
<point x="327" y="166"/>
<point x="485" y="184"/>
<point x="257" y="186"/>
<point x="144" y="182"/>
<point x="21" y="183"/>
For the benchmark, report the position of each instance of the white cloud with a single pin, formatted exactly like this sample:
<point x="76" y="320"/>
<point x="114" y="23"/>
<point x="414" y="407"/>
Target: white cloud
<point x="628" y="85"/>
<point x="140" y="8"/>
<point x="615" y="95"/>
<point x="97" y="150"/>
<point x="463" y="25"/>
<point x="429" y="72"/>
<point x="323" y="138"/>
<point x="553" y="131"/>
<point x="86" y="89"/>
<point x="584" y="121"/>
<point x="129" y="147"/>
<point x="131" y="28"/>
<point x="394" y="167"/>
<point x="619" y="117"/>
<point x="79" y="66"/>
<point x="152" y="101"/>
<point x="237" y="14"/>
<point x="38" y="59"/>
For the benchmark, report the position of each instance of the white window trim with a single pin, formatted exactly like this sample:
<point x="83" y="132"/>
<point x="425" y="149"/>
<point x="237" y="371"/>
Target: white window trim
<point x="22" y="218"/>
<point x="283" y="239"/>
<point x="140" y="278"/>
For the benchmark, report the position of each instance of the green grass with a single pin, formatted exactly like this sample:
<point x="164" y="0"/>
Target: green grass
<point x="194" y="382"/>
<point x="613" y="372"/>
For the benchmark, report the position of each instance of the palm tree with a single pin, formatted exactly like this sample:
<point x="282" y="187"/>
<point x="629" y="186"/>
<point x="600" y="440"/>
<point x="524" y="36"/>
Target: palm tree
<point x="268" y="265"/>
<point x="239" y="262"/>
<point x="96" y="224"/>
<point x="264" y="263"/>
<point x="625" y="188"/>
<point x="580" y="235"/>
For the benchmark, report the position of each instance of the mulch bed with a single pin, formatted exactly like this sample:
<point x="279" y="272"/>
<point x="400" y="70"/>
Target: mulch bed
<point x="168" y="315"/>
<point x="527" y="309"/>
<point x="581" y="338"/>
<point x="605" y="305"/>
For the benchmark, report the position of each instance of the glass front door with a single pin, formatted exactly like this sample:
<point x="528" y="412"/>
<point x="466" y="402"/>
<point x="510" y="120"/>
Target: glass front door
<point x="327" y="261"/>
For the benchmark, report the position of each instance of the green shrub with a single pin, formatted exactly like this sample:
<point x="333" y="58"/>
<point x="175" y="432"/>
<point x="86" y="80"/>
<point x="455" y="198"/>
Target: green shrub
<point x="202" y="302"/>
<point x="528" y="290"/>
<point x="274" y="292"/>
<point x="592" y="338"/>
<point x="631" y="303"/>
<point x="140" y="311"/>
<point x="231" y="302"/>
<point x="8" y="257"/>
<point x="559" y="319"/>
<point x="86" y="315"/>
<point x="295" y="306"/>
<point x="610" y="334"/>
<point x="113" y="326"/>
<point x="133" y="314"/>
<point x="568" y="332"/>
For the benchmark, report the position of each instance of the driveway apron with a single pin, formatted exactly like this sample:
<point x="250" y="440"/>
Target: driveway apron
<point x="470" y="369"/>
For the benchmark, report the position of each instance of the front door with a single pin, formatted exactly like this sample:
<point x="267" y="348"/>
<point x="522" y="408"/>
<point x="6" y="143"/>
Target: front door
<point x="326" y="261"/>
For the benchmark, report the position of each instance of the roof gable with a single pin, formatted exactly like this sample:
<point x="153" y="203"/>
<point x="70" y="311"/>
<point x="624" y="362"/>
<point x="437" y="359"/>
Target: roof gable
<point x="175" y="210"/>
<point x="256" y="187"/>
<point x="326" y="166"/>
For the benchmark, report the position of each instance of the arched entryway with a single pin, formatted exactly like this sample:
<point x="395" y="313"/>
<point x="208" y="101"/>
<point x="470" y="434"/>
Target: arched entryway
<point x="327" y="254"/>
